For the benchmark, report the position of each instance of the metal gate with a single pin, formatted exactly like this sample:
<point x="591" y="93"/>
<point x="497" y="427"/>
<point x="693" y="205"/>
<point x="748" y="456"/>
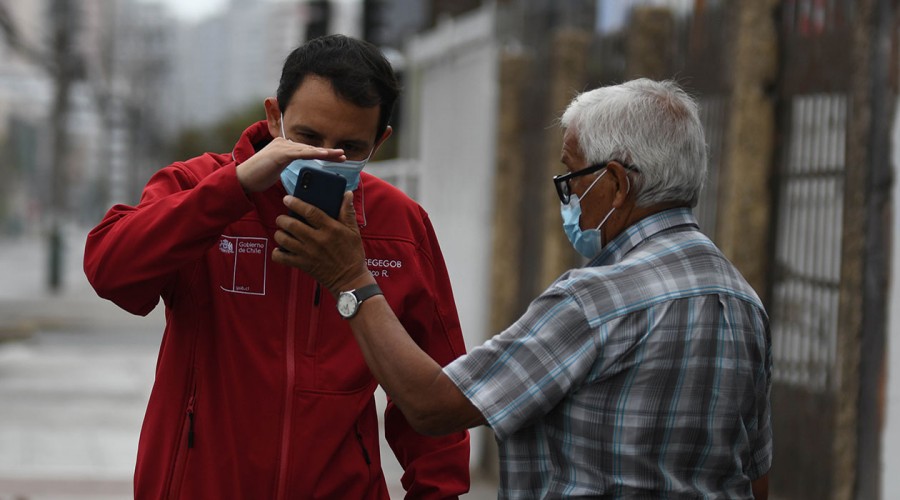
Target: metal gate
<point x="813" y="111"/>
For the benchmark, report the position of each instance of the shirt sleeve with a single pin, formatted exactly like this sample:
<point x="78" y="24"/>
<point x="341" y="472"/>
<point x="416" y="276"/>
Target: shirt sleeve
<point x="761" y="458"/>
<point x="522" y="373"/>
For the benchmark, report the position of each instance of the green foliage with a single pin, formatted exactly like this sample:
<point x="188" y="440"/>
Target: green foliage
<point x="218" y="138"/>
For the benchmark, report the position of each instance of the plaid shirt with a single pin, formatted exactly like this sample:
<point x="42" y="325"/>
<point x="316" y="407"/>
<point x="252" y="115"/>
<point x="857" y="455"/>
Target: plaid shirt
<point x="645" y="374"/>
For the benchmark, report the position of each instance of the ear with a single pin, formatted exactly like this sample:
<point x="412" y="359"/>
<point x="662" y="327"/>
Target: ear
<point x="273" y="116"/>
<point x="387" y="133"/>
<point x="623" y="183"/>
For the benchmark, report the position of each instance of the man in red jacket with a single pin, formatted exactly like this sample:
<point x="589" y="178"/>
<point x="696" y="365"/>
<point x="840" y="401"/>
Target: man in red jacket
<point x="261" y="391"/>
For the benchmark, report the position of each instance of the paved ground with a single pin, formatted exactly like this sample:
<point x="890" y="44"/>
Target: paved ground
<point x="75" y="373"/>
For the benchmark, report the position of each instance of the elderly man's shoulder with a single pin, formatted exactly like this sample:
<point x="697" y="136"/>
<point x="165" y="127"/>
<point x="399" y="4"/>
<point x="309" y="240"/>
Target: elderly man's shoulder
<point x="681" y="265"/>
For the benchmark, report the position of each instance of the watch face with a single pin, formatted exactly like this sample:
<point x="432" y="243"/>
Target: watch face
<point x="346" y="304"/>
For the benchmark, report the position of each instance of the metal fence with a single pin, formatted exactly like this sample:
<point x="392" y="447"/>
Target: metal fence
<point x="813" y="91"/>
<point x="804" y="308"/>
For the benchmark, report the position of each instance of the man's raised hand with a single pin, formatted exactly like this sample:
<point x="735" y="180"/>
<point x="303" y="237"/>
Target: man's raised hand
<point x="264" y="168"/>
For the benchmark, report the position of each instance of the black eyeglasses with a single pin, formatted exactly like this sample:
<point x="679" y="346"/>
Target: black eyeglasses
<point x="562" y="181"/>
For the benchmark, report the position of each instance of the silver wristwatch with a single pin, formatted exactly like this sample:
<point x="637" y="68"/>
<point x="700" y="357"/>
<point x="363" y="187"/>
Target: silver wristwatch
<point x="348" y="302"/>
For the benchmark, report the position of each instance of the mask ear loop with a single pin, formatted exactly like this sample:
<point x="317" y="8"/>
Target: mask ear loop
<point x="613" y="209"/>
<point x="588" y="190"/>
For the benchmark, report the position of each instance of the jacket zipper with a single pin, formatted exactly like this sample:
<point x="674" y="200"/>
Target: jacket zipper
<point x="290" y="335"/>
<point x="181" y="455"/>
<point x="365" y="452"/>
<point x="190" y="415"/>
<point x="314" y="320"/>
<point x="362" y="446"/>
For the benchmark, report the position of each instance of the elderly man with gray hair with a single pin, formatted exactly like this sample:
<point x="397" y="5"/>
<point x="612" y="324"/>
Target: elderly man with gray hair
<point x="644" y="374"/>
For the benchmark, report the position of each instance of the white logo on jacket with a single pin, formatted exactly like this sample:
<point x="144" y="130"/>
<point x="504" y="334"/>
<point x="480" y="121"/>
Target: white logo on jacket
<point x="382" y="268"/>
<point x="245" y="260"/>
<point x="226" y="246"/>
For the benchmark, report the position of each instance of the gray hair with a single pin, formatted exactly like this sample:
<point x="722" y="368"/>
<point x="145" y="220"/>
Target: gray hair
<point x="653" y="126"/>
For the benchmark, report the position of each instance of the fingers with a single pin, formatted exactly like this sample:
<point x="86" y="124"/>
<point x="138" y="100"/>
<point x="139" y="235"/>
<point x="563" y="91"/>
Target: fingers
<point x="348" y="213"/>
<point x="298" y="150"/>
<point x="262" y="170"/>
<point x="301" y="237"/>
<point x="324" y="248"/>
<point x="289" y="248"/>
<point x="310" y="213"/>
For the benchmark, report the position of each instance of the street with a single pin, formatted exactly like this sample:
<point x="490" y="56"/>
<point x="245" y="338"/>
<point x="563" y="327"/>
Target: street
<point x="75" y="375"/>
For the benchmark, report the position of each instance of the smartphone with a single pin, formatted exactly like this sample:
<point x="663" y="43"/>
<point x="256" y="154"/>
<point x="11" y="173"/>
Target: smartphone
<point x="323" y="189"/>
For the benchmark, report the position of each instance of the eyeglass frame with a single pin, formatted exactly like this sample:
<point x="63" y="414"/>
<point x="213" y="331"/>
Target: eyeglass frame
<point x="561" y="181"/>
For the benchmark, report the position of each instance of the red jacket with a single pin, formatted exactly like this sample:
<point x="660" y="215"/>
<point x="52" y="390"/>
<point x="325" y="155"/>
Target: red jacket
<point x="261" y="391"/>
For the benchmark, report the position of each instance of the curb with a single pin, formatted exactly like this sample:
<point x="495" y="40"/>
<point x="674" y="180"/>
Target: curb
<point x="17" y="330"/>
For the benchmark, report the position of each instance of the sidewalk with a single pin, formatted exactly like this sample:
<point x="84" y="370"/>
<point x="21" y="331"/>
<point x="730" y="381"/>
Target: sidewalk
<point x="75" y="375"/>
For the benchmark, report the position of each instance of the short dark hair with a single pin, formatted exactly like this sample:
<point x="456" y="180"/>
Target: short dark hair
<point x="357" y="70"/>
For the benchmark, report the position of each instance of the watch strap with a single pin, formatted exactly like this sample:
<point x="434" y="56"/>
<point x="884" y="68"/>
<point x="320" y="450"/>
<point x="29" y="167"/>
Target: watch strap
<point x="368" y="291"/>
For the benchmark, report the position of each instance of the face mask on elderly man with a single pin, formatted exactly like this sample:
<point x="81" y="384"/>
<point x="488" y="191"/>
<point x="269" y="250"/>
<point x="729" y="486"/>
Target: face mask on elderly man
<point x="589" y="243"/>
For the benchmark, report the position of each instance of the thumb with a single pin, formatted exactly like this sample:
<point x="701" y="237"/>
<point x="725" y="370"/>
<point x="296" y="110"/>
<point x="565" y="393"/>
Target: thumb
<point x="348" y="213"/>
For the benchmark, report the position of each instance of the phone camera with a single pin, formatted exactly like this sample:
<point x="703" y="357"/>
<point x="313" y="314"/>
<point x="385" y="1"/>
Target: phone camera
<point x="305" y="179"/>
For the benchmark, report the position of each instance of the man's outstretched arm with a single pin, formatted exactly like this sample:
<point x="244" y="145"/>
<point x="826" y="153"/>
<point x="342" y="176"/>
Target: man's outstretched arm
<point x="331" y="251"/>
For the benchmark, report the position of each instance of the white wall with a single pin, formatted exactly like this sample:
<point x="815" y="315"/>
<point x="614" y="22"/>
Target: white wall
<point x="457" y="87"/>
<point x="890" y="449"/>
<point x="453" y="92"/>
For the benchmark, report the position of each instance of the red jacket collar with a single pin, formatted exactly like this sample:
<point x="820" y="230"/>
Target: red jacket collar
<point x="254" y="138"/>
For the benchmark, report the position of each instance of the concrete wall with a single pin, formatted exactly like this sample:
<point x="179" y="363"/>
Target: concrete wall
<point x="453" y="92"/>
<point x="457" y="86"/>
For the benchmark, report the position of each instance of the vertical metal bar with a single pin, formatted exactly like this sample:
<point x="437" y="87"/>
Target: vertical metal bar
<point x="822" y="254"/>
<point x="841" y="156"/>
<point x="839" y="153"/>
<point x="813" y="251"/>
<point x="797" y="240"/>
<point x="832" y="232"/>
<point x="825" y="203"/>
<point x="779" y="287"/>
<point x="808" y="248"/>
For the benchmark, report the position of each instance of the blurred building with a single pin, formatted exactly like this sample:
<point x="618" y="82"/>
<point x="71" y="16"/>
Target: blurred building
<point x="25" y="94"/>
<point x="231" y="60"/>
<point x="119" y="49"/>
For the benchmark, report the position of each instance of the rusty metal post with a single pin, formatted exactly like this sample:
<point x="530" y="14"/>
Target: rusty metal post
<point x="650" y="43"/>
<point x="853" y="246"/>
<point x="506" y="261"/>
<point x="568" y="76"/>
<point x="506" y="253"/>
<point x="743" y="228"/>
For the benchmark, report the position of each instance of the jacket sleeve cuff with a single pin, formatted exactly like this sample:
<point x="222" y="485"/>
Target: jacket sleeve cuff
<point x="232" y="201"/>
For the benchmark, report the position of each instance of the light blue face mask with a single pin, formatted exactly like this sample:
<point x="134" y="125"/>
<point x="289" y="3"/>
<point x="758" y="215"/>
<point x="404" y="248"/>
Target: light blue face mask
<point x="589" y="243"/>
<point x="347" y="169"/>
